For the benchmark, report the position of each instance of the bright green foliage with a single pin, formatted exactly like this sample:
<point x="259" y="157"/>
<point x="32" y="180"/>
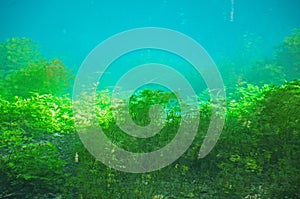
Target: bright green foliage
<point x="252" y="147"/>
<point x="94" y="110"/>
<point x="39" y="113"/>
<point x="255" y="157"/>
<point x="260" y="140"/>
<point x="246" y="98"/>
<point x="98" y="110"/>
<point x="30" y="161"/>
<point x="103" y="109"/>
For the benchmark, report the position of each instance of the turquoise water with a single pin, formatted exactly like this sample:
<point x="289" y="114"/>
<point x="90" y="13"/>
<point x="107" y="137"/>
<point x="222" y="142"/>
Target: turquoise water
<point x="254" y="152"/>
<point x="70" y="30"/>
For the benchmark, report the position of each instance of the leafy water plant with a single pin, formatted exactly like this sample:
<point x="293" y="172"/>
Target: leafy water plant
<point x="43" y="77"/>
<point x="25" y="72"/>
<point x="256" y="155"/>
<point x="17" y="53"/>
<point x="264" y="147"/>
<point x="279" y="137"/>
<point x="33" y="131"/>
<point x="287" y="55"/>
<point x="31" y="142"/>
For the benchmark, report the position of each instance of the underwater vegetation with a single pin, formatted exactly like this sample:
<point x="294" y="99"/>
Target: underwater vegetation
<point x="282" y="66"/>
<point x="41" y="156"/>
<point x="23" y="71"/>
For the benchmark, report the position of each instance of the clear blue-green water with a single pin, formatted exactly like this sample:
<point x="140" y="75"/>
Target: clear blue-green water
<point x="70" y="30"/>
<point x="254" y="152"/>
<point x="239" y="30"/>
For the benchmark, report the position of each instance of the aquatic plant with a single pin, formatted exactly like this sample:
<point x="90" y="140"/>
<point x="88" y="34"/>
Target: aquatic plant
<point x="287" y="55"/>
<point x="39" y="113"/>
<point x="25" y="72"/>
<point x="261" y="143"/>
<point x="283" y="66"/>
<point x="38" y="141"/>
<point x="32" y="139"/>
<point x="17" y="53"/>
<point x="279" y="138"/>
